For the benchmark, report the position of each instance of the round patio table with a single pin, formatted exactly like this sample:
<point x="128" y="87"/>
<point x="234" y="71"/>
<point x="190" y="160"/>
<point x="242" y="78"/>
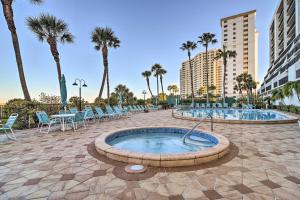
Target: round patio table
<point x="62" y="118"/>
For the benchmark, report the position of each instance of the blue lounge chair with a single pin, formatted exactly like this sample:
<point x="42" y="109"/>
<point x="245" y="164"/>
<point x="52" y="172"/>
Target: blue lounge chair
<point x="89" y="114"/>
<point x="111" y="112"/>
<point x="7" y="127"/>
<point x="202" y="105"/>
<point x="101" y="115"/>
<point x="45" y="120"/>
<point x="214" y="105"/>
<point x="119" y="111"/>
<point x="207" y="105"/>
<point x="73" y="110"/>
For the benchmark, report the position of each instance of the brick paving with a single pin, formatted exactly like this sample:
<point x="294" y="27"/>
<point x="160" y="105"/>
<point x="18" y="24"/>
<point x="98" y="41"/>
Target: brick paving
<point x="58" y="165"/>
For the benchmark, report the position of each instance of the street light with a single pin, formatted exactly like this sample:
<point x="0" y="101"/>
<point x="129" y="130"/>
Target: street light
<point x="144" y="93"/>
<point x="80" y="81"/>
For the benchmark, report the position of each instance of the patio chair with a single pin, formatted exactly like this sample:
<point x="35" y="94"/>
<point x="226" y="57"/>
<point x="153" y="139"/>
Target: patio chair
<point x="226" y="105"/>
<point x="202" y="105"/>
<point x="101" y="115"/>
<point x="79" y="118"/>
<point x="118" y="111"/>
<point x="214" y="105"/>
<point x="136" y="108"/>
<point x="207" y="105"/>
<point x="8" y="126"/>
<point x="73" y="110"/>
<point x="89" y="115"/>
<point x="45" y="120"/>
<point x="111" y="112"/>
<point x="131" y="109"/>
<point x="64" y="112"/>
<point x="197" y="105"/>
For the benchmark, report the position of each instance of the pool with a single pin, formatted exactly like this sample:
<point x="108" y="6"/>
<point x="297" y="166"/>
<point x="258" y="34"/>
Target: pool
<point x="162" y="146"/>
<point x="235" y="115"/>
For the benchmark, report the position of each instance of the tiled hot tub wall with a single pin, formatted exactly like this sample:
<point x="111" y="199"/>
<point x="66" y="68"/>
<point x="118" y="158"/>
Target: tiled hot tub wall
<point x="162" y="160"/>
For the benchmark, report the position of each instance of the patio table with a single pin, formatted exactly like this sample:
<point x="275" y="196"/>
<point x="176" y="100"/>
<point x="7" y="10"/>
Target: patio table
<point x="62" y="118"/>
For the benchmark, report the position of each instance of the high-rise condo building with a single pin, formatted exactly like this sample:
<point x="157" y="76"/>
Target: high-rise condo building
<point x="284" y="44"/>
<point x="239" y="34"/>
<point x="198" y="63"/>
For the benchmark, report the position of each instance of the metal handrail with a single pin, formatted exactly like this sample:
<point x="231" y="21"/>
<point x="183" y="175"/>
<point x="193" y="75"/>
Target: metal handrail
<point x="194" y="127"/>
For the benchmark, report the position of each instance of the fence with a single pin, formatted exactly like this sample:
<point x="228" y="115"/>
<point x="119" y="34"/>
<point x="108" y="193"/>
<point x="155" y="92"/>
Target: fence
<point x="2" y="113"/>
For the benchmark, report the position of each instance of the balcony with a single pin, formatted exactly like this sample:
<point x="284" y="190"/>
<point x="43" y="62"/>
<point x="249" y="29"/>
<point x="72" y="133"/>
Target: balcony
<point x="291" y="30"/>
<point x="291" y="19"/>
<point x="291" y="8"/>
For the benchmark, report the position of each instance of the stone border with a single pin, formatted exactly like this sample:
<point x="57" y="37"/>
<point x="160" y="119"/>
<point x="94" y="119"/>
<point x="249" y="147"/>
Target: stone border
<point x="291" y="119"/>
<point x="162" y="160"/>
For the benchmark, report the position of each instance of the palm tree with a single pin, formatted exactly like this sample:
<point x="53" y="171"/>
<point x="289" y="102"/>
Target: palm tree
<point x="49" y="28"/>
<point x="278" y="95"/>
<point x="205" y="39"/>
<point x="104" y="38"/>
<point x="225" y="54"/>
<point x="155" y="69"/>
<point x="161" y="73"/>
<point x="189" y="46"/>
<point x="9" y="17"/>
<point x="147" y="74"/>
<point x="175" y="89"/>
<point x="170" y="89"/>
<point x="289" y="88"/>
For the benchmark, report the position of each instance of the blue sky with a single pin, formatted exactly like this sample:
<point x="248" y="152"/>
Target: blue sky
<point x="151" y="31"/>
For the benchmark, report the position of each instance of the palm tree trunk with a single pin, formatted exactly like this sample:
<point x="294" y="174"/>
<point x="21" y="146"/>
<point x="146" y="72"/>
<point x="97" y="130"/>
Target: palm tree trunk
<point x="191" y="75"/>
<point x="105" y="63"/>
<point x="224" y="74"/>
<point x="162" y="87"/>
<point x="157" y="87"/>
<point x="206" y="55"/>
<point x="53" y="48"/>
<point x="8" y="14"/>
<point x="107" y="84"/>
<point x="148" y="84"/>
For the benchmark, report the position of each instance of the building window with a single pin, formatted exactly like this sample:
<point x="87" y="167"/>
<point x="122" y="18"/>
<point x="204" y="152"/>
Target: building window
<point x="225" y="26"/>
<point x="225" y="35"/>
<point x="225" y="30"/>
<point x="234" y="29"/>
<point x="297" y="73"/>
<point x="275" y="85"/>
<point x="233" y="38"/>
<point x="234" y="24"/>
<point x="225" y="39"/>
<point x="233" y="33"/>
<point x="283" y="80"/>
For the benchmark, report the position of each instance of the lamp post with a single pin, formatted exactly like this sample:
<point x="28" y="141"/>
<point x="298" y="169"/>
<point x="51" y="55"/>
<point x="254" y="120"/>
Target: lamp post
<point x="144" y="93"/>
<point x="78" y="82"/>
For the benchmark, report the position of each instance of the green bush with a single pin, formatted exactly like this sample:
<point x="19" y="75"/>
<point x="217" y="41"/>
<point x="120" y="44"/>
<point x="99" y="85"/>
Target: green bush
<point x="25" y="109"/>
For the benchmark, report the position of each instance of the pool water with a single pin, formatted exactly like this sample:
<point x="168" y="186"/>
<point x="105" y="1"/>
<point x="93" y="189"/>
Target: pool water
<point x="162" y="142"/>
<point x="233" y="114"/>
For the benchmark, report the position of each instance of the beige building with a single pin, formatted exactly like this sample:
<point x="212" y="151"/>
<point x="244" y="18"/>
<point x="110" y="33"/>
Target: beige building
<point x="199" y="74"/>
<point x="239" y="34"/>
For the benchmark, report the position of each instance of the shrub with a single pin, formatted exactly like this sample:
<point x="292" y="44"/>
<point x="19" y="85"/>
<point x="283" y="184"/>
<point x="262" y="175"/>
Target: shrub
<point x="25" y="109"/>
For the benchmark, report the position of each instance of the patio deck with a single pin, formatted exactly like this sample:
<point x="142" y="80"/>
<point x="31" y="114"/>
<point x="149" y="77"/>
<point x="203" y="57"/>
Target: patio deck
<point x="59" y="166"/>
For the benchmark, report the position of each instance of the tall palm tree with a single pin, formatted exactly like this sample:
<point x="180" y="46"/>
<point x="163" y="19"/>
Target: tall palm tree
<point x="104" y="38"/>
<point x="48" y="28"/>
<point x="161" y="73"/>
<point x="225" y="54"/>
<point x="205" y="39"/>
<point x="9" y="17"/>
<point x="147" y="74"/>
<point x="278" y="94"/>
<point x="291" y="87"/>
<point x="189" y="46"/>
<point x="155" y="70"/>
